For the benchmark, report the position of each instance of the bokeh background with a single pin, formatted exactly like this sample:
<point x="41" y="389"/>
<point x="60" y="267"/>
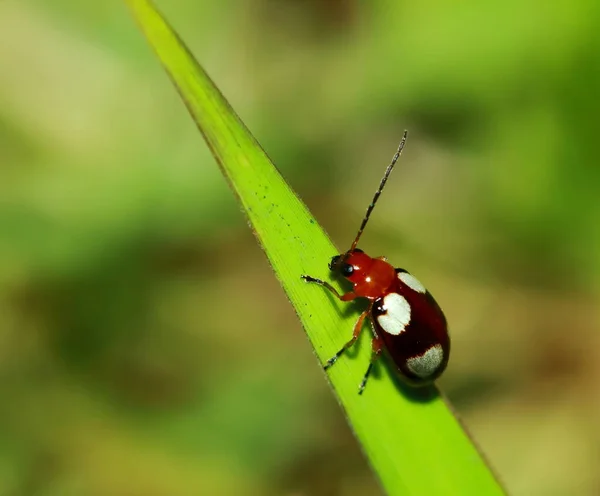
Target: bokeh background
<point x="145" y="346"/>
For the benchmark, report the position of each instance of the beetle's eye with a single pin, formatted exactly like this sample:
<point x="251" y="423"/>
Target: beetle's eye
<point x="347" y="270"/>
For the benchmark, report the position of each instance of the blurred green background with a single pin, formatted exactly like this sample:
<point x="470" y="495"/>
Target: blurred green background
<point x="145" y="346"/>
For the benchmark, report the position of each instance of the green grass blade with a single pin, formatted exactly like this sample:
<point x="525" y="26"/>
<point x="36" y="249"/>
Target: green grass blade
<point x="416" y="447"/>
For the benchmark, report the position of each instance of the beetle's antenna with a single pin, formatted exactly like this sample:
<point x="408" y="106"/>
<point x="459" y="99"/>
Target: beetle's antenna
<point x="379" y="190"/>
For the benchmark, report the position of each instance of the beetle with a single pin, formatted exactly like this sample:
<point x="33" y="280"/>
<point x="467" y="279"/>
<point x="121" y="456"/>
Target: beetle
<point x="405" y="319"/>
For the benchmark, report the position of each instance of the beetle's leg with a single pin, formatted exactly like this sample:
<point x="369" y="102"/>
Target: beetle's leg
<point x="376" y="346"/>
<point x="344" y="297"/>
<point x="357" y="328"/>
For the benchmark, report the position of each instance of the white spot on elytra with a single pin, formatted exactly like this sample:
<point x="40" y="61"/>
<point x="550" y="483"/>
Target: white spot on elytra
<point x="412" y="282"/>
<point x="426" y="364"/>
<point x="397" y="314"/>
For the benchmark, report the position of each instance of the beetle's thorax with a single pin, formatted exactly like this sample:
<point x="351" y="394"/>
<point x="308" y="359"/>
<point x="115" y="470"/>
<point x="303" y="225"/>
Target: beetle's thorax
<point x="371" y="276"/>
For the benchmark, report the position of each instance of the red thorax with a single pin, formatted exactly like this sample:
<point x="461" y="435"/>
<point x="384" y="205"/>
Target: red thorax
<point x="372" y="277"/>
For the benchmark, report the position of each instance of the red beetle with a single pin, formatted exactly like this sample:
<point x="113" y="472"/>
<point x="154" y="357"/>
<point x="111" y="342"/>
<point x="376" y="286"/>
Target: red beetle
<point x="405" y="318"/>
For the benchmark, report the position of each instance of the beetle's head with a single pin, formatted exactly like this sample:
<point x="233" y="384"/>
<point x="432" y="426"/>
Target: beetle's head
<point x="351" y="264"/>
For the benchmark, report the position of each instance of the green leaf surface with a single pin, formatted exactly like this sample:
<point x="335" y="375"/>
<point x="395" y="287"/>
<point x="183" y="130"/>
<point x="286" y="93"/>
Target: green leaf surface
<point x="414" y="443"/>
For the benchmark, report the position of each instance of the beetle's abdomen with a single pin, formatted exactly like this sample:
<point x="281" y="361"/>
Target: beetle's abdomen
<point x="413" y="329"/>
